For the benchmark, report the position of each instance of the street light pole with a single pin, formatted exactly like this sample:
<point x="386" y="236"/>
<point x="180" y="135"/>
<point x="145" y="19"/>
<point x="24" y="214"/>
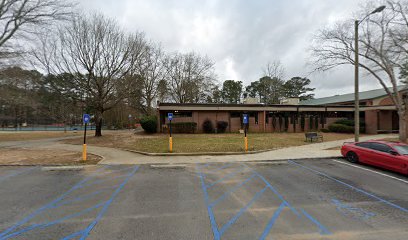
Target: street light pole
<point x="356" y="90"/>
<point x="356" y="76"/>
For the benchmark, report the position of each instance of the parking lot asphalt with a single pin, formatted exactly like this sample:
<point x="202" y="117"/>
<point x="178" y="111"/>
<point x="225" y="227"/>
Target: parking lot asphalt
<point x="302" y="199"/>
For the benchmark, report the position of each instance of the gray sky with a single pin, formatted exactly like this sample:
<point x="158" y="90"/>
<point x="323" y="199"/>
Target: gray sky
<point x="241" y="36"/>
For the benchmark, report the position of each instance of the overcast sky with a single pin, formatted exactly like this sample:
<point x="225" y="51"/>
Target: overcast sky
<point x="241" y="36"/>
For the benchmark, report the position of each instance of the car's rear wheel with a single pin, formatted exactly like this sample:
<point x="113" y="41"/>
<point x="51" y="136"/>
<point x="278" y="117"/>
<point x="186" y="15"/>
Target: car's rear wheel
<point x="352" y="157"/>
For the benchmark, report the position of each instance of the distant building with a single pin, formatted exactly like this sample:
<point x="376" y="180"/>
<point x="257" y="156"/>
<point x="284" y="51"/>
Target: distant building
<point x="290" y="101"/>
<point x="376" y="110"/>
<point x="250" y="101"/>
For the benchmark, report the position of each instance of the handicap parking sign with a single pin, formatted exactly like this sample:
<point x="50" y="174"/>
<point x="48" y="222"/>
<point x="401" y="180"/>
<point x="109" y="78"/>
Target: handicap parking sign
<point x="86" y="118"/>
<point x="245" y="119"/>
<point x="170" y="116"/>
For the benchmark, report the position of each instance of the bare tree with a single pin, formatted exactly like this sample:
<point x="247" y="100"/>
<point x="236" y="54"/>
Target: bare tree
<point x="190" y="77"/>
<point x="274" y="69"/>
<point x="383" y="49"/>
<point x="101" y="55"/>
<point x="149" y="72"/>
<point x="162" y="91"/>
<point x="20" y="18"/>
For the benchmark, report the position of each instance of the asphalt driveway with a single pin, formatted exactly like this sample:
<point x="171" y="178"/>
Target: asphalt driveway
<point x="302" y="199"/>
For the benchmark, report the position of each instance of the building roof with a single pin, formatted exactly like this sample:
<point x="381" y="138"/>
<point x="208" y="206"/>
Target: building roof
<point x="372" y="94"/>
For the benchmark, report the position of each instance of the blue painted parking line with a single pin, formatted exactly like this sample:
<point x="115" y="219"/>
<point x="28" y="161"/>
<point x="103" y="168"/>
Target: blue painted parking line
<point x="15" y="173"/>
<point x="49" y="224"/>
<point x="239" y="185"/>
<point x="323" y="229"/>
<point x="209" y="208"/>
<point x="218" y="232"/>
<point x="74" y="235"/>
<point x="229" y="176"/>
<point x="85" y="196"/>
<point x="110" y="178"/>
<point x="355" y="212"/>
<point x="22" y="226"/>
<point x="105" y="207"/>
<point x="242" y="210"/>
<point x="272" y="221"/>
<point x="349" y="186"/>
<point x="274" y="191"/>
<point x="38" y="211"/>
<point x="219" y="169"/>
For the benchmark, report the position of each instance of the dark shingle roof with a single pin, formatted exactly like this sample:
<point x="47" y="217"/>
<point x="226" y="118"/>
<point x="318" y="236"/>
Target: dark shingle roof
<point x="372" y="94"/>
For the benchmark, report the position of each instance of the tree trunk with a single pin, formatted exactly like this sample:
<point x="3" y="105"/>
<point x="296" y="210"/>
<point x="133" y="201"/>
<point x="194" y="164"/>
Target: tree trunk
<point x="98" y="125"/>
<point x="402" y="126"/>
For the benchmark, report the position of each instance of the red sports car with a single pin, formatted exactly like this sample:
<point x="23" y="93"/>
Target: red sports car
<point x="389" y="155"/>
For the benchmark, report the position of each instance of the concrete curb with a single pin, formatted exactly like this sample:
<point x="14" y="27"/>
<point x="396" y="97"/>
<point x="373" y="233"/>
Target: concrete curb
<point x="168" y="166"/>
<point x="288" y="159"/>
<point x="63" y="168"/>
<point x="196" y="153"/>
<point x="260" y="161"/>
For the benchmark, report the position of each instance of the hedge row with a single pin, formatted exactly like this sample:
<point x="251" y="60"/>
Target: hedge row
<point x="345" y="126"/>
<point x="183" y="127"/>
<point x="340" y="128"/>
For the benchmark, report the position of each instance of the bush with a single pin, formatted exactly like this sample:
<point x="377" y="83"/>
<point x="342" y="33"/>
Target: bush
<point x="149" y="124"/>
<point x="350" y="123"/>
<point x="346" y="122"/>
<point x="183" y="127"/>
<point x="341" y="128"/>
<point x="208" y="126"/>
<point x="222" y="126"/>
<point x="324" y="130"/>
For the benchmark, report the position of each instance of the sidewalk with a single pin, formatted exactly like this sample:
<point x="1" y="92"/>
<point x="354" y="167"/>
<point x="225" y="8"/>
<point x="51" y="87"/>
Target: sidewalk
<point x="315" y="150"/>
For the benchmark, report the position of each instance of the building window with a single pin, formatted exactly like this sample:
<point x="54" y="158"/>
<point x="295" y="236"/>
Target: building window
<point x="235" y="114"/>
<point x="254" y="115"/>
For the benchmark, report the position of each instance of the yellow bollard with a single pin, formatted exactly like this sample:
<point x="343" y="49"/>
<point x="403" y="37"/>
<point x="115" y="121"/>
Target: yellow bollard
<point x="170" y="144"/>
<point x="246" y="144"/>
<point x="84" y="152"/>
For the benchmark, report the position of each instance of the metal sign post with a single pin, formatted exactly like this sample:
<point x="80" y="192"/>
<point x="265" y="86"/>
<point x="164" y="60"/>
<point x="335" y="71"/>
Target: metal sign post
<point x="245" y="122"/>
<point x="86" y="118"/>
<point x="170" y="117"/>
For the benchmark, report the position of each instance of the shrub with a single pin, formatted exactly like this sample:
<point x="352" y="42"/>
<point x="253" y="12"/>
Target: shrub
<point x="222" y="126"/>
<point x="341" y="128"/>
<point x="208" y="126"/>
<point x="346" y="122"/>
<point x="183" y="127"/>
<point x="149" y="124"/>
<point x="350" y="123"/>
<point x="324" y="130"/>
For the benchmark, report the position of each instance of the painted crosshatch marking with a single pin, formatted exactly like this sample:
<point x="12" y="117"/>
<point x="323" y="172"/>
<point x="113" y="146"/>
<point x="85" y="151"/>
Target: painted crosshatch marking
<point x="219" y="231"/>
<point x="99" y="190"/>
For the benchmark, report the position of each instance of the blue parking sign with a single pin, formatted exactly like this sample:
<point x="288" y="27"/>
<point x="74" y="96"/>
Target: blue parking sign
<point x="245" y="118"/>
<point x="170" y="116"/>
<point x="86" y="118"/>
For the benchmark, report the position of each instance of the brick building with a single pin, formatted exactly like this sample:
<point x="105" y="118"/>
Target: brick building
<point x="376" y="110"/>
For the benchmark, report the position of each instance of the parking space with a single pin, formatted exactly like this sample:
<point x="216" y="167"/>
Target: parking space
<point x="302" y="199"/>
<point x="70" y="214"/>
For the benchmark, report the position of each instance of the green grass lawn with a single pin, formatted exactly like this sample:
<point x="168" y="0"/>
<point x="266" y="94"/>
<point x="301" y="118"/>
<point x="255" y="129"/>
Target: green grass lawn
<point x="188" y="143"/>
<point x="33" y="135"/>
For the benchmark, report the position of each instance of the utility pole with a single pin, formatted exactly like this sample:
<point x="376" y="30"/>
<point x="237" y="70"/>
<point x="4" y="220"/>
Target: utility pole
<point x="356" y="90"/>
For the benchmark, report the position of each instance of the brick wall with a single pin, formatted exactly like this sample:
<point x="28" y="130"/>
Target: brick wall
<point x="371" y="121"/>
<point x="385" y="120"/>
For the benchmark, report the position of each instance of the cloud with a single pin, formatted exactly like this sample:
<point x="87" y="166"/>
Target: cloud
<point x="240" y="36"/>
